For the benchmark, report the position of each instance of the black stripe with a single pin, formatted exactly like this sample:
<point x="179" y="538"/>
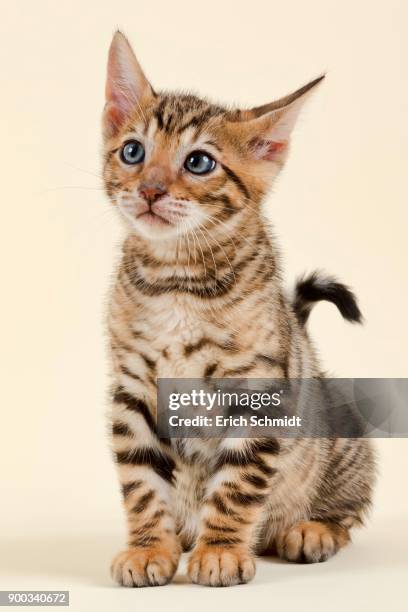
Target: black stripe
<point x="223" y="508"/>
<point x="135" y="404"/>
<point x="149" y="525"/>
<point x="193" y="348"/>
<point x="138" y="334"/>
<point x="204" y="287"/>
<point x="118" y="343"/>
<point x="256" y="481"/>
<point x="210" y="525"/>
<point x="244" y="369"/>
<point x="210" y="369"/>
<point x="230" y="485"/>
<point x="245" y="499"/>
<point x="168" y="124"/>
<point x="111" y="187"/>
<point x="166" y="441"/>
<point x="129" y="487"/>
<point x="161" y="463"/>
<point x="121" y="429"/>
<point x="264" y="467"/>
<point x="159" y="513"/>
<point x="144" y="541"/>
<point x="211" y="198"/>
<point x="249" y="456"/>
<point x="189" y="349"/>
<point x="238" y="182"/>
<point x="193" y="122"/>
<point x="222" y="541"/>
<point x="110" y="153"/>
<point x="143" y="502"/>
<point x="197" y="120"/>
<point x="127" y="372"/>
<point x="217" y="288"/>
<point x="266" y="445"/>
<point x="158" y="113"/>
<point x="149" y="362"/>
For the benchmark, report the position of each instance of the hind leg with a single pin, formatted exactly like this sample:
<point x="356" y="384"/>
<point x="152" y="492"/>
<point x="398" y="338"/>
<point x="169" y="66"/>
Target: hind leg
<point x="339" y="503"/>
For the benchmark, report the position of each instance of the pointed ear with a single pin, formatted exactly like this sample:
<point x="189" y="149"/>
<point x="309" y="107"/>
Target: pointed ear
<point x="269" y="126"/>
<point x="126" y="85"/>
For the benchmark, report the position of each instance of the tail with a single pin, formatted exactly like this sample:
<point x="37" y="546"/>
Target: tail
<point x="317" y="287"/>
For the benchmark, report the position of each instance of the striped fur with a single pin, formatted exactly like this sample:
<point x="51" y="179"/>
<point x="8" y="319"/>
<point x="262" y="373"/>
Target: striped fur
<point x="198" y="293"/>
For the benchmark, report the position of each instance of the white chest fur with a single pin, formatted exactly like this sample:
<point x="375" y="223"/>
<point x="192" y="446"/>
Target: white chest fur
<point x="173" y="323"/>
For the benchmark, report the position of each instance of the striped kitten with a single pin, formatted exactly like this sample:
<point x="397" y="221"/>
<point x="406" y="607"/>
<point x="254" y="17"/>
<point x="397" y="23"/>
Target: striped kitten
<point x="198" y="294"/>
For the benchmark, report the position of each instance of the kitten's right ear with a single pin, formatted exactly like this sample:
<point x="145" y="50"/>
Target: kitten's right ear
<point x="126" y="89"/>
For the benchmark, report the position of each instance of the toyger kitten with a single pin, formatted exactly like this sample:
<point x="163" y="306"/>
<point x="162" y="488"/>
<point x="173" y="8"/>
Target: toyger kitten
<point x="198" y="294"/>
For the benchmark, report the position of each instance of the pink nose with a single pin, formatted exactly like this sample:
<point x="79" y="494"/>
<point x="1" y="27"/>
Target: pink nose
<point x="151" y="193"/>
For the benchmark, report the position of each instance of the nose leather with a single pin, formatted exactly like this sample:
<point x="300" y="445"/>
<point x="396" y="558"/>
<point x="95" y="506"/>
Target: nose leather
<point x="151" y="192"/>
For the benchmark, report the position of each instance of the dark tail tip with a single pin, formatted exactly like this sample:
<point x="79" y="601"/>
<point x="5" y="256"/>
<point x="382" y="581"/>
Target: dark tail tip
<point x="317" y="287"/>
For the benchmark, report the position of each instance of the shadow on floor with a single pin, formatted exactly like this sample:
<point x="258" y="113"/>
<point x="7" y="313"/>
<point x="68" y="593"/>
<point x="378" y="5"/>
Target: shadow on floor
<point x="85" y="558"/>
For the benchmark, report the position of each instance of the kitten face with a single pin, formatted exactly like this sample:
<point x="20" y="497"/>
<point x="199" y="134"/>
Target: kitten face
<point x="165" y="170"/>
<point x="176" y="164"/>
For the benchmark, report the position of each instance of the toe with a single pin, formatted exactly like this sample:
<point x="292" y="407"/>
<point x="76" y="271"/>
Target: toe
<point x="311" y="542"/>
<point x="144" y="567"/>
<point x="220" y="567"/>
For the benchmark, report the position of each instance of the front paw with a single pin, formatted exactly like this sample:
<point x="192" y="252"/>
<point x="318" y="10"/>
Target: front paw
<point x="139" y="567"/>
<point x="217" y="566"/>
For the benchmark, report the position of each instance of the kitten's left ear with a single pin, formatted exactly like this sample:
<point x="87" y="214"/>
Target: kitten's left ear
<point x="269" y="127"/>
<point x="127" y="88"/>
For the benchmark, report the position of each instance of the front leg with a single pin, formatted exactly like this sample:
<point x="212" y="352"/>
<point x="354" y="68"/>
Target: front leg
<point x="145" y="469"/>
<point x="233" y="508"/>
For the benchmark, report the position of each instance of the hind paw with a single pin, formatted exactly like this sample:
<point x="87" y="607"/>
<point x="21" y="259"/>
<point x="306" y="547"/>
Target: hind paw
<point x="311" y="542"/>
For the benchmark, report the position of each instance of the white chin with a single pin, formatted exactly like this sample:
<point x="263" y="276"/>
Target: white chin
<point x="153" y="229"/>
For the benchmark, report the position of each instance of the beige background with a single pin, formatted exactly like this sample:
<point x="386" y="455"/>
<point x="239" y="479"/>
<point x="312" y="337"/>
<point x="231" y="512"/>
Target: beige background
<point x="341" y="204"/>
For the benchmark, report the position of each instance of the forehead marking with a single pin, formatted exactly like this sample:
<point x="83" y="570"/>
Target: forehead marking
<point x="187" y="137"/>
<point x="152" y="129"/>
<point x="158" y="114"/>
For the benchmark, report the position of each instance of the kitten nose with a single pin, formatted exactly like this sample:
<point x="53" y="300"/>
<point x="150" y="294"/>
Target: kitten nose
<point x="151" y="192"/>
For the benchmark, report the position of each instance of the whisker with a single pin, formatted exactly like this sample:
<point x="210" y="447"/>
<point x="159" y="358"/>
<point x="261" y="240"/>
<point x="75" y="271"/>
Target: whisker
<point x="202" y="253"/>
<point x="223" y="250"/>
<point x="83" y="170"/>
<point x="211" y="251"/>
<point x="69" y="187"/>
<point x="217" y="221"/>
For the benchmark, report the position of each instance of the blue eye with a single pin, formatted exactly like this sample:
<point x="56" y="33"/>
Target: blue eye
<point x="132" y="152"/>
<point x="199" y="162"/>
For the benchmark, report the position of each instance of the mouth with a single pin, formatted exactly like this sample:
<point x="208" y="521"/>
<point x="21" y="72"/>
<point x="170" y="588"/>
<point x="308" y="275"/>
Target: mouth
<point x="152" y="218"/>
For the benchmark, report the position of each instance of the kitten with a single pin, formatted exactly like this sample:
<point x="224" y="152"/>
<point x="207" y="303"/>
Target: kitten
<point x="198" y="294"/>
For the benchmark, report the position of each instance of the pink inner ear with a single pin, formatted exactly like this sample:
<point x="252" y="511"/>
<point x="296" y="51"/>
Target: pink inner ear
<point x="114" y="116"/>
<point x="268" y="149"/>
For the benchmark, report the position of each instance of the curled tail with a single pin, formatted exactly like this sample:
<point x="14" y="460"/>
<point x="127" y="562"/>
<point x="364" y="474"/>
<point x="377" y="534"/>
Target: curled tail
<point x="317" y="287"/>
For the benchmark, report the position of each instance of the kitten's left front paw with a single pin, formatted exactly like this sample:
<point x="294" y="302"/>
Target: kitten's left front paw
<point x="217" y="566"/>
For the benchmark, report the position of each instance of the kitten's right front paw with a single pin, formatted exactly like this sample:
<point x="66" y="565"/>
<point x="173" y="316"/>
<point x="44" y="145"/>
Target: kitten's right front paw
<point x="139" y="567"/>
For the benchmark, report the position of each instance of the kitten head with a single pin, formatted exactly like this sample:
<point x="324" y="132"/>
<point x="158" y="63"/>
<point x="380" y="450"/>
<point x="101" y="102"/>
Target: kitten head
<point x="175" y="163"/>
